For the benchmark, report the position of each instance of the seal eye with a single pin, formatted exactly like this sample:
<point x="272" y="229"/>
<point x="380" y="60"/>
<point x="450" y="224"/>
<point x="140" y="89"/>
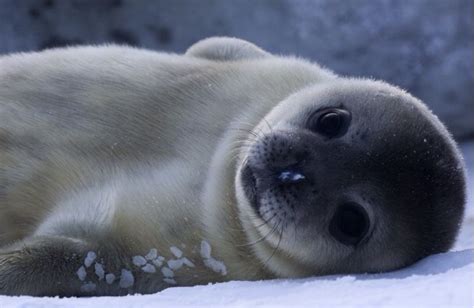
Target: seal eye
<point x="349" y="224"/>
<point x="331" y="123"/>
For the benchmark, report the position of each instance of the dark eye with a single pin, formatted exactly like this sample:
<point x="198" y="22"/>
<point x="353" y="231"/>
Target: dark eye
<point x="330" y="122"/>
<point x="349" y="224"/>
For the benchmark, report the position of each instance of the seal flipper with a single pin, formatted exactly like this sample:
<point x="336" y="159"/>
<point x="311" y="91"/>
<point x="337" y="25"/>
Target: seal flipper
<point x="226" y="49"/>
<point x="61" y="265"/>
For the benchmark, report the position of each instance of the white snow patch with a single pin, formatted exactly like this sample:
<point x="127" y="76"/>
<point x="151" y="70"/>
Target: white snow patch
<point x="205" y="250"/>
<point x="152" y="254"/>
<point x="176" y="251"/>
<point x="216" y="266"/>
<point x="168" y="273"/>
<point x="157" y="262"/>
<point x="99" y="270"/>
<point x="138" y="260"/>
<point x="188" y="262"/>
<point x="81" y="273"/>
<point x="88" y="287"/>
<point x="175" y="264"/>
<point x="148" y="268"/>
<point x="90" y="258"/>
<point x="169" y="280"/>
<point x="126" y="279"/>
<point x="110" y="278"/>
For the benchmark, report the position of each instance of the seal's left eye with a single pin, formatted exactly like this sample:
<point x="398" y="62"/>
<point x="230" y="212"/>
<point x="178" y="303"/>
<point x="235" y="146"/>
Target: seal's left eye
<point x="331" y="123"/>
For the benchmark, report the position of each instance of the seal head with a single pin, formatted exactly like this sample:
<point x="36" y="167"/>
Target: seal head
<point x="349" y="176"/>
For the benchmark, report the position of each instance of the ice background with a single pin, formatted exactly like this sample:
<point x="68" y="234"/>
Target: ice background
<point x="443" y="280"/>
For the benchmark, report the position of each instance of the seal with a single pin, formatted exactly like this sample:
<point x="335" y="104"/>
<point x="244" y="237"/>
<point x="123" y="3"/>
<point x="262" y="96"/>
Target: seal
<point x="125" y="170"/>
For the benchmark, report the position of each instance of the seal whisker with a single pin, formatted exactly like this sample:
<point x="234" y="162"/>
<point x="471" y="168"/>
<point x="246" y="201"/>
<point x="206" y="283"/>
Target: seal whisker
<point x="272" y="230"/>
<point x="276" y="248"/>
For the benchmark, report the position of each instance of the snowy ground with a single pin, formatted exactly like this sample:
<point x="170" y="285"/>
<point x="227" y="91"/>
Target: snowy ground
<point x="443" y="280"/>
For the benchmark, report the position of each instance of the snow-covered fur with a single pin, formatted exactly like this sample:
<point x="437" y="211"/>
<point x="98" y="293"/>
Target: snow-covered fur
<point x="120" y="170"/>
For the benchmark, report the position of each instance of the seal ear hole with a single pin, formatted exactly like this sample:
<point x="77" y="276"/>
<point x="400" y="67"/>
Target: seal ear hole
<point x="331" y="123"/>
<point x="350" y="224"/>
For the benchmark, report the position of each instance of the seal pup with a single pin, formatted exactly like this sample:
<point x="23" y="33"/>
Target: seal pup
<point x="125" y="170"/>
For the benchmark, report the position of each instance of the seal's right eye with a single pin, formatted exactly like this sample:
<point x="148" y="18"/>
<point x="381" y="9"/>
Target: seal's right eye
<point x="331" y="123"/>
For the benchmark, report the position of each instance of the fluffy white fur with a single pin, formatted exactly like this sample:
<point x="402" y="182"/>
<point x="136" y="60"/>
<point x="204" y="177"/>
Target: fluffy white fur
<point x="120" y="150"/>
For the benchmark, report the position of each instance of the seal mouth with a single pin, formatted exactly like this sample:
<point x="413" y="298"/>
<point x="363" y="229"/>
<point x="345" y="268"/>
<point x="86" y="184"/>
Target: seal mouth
<point x="249" y="184"/>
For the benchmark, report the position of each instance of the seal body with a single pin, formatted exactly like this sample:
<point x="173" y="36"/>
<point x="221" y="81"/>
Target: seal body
<point x="128" y="171"/>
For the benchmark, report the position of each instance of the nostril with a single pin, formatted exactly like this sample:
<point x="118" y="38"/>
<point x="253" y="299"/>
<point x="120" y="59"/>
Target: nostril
<point x="349" y="224"/>
<point x="290" y="176"/>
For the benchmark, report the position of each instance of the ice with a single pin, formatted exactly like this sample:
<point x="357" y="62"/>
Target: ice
<point x="90" y="258"/>
<point x="169" y="280"/>
<point x="110" y="278"/>
<point x="168" y="273"/>
<point x="176" y="251"/>
<point x="148" y="268"/>
<point x="138" y="260"/>
<point x="205" y="250"/>
<point x="175" y="264"/>
<point x="126" y="279"/>
<point x="188" y="262"/>
<point x="81" y="273"/>
<point x="99" y="270"/>
<point x="88" y="287"/>
<point x="216" y="266"/>
<point x="152" y="254"/>
<point x="157" y="262"/>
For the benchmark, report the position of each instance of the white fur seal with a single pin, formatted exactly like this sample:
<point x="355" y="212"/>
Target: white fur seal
<point x="128" y="171"/>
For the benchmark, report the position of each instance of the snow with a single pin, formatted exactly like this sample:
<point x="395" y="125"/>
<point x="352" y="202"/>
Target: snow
<point x="99" y="270"/>
<point x="81" y="273"/>
<point x="158" y="262"/>
<point x="153" y="254"/>
<point x="176" y="251"/>
<point x="168" y="273"/>
<point x="188" y="262"/>
<point x="169" y="280"/>
<point x="110" y="278"/>
<point x="126" y="279"/>
<point x="215" y="265"/>
<point x="88" y="287"/>
<point x="139" y="260"/>
<point x="90" y="258"/>
<point x="443" y="280"/>
<point x="205" y="250"/>
<point x="148" y="268"/>
<point x="175" y="264"/>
